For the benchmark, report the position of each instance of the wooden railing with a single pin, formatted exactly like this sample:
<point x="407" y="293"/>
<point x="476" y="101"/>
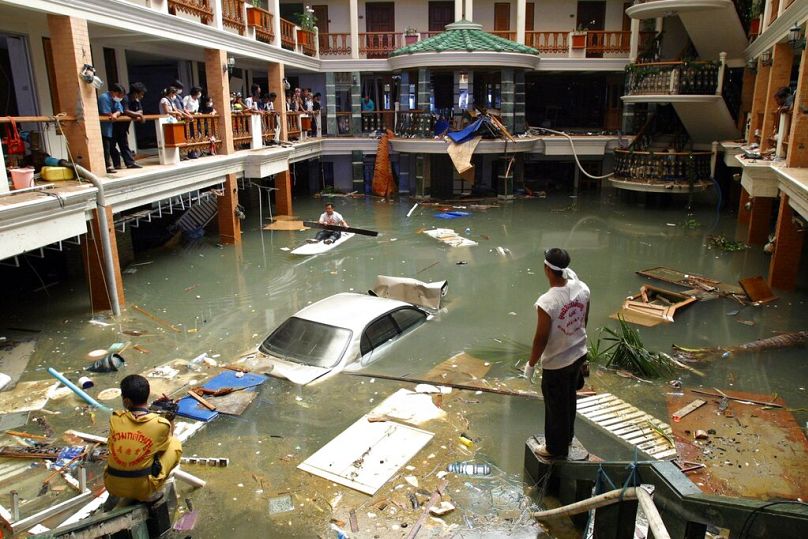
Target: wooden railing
<point x="335" y="43"/>
<point x="200" y="132"/>
<point x="664" y="167"/>
<point x="306" y="39"/>
<point x="548" y="42"/>
<point x="241" y="129"/>
<point x="427" y="35"/>
<point x="344" y="124"/>
<point x="293" y="124"/>
<point x="682" y="78"/>
<point x="288" y="34"/>
<point x="774" y="10"/>
<point x="605" y="42"/>
<point x="197" y="8"/>
<point x="417" y="123"/>
<point x="263" y="30"/>
<point x="233" y="15"/>
<point x="269" y="123"/>
<point x="507" y="34"/>
<point x="379" y="44"/>
<point x="378" y="120"/>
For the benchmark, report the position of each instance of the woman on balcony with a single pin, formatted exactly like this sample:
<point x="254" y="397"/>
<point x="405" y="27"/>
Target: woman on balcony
<point x="167" y="107"/>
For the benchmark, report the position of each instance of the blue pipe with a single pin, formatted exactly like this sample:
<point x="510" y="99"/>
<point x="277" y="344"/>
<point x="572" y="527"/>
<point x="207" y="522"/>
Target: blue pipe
<point x="78" y="391"/>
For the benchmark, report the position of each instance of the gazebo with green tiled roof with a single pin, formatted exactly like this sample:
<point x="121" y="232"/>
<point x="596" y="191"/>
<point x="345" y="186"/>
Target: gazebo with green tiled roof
<point x="465" y="36"/>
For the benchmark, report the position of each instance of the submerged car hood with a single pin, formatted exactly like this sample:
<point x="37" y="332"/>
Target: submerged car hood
<point x="295" y="372"/>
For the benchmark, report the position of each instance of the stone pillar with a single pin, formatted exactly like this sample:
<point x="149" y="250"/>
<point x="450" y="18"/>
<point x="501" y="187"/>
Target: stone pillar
<point x="779" y="76"/>
<point x="785" y="262"/>
<point x="276" y="22"/>
<point x="331" y="104"/>
<point x="353" y="19"/>
<point x="469" y="16"/>
<point x="424" y="89"/>
<point x="521" y="15"/>
<point x="759" y="100"/>
<point x="405" y="162"/>
<point x="404" y="92"/>
<point x="504" y="179"/>
<point x="507" y="98"/>
<point x="798" y="137"/>
<point x="275" y="76"/>
<point x="518" y="172"/>
<point x="760" y="217"/>
<point x="358" y="171"/>
<point x="422" y="176"/>
<point x="218" y="22"/>
<point x="70" y="42"/>
<point x="283" y="195"/>
<point x="634" y="43"/>
<point x="93" y="258"/>
<point x="356" y="103"/>
<point x="458" y="4"/>
<point x="519" y="122"/>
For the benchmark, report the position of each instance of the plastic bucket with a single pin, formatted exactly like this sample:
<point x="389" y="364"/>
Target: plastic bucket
<point x="22" y="177"/>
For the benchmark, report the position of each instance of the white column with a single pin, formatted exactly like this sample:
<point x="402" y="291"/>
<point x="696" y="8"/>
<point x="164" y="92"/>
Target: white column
<point x="159" y="5"/>
<point x="256" y="137"/>
<point x="521" y="13"/>
<point x="767" y="12"/>
<point x="658" y="24"/>
<point x="3" y="176"/>
<point x="168" y="156"/>
<point x="634" y="46"/>
<point x="469" y="10"/>
<point x="719" y="88"/>
<point x="458" y="9"/>
<point x="276" y="25"/>
<point x="217" y="14"/>
<point x="353" y="17"/>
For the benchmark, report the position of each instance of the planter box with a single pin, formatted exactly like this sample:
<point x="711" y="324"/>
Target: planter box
<point x="174" y="135"/>
<point x="302" y="37"/>
<point x="410" y="39"/>
<point x="253" y="17"/>
<point x="579" y="41"/>
<point x="305" y="122"/>
<point x="754" y="27"/>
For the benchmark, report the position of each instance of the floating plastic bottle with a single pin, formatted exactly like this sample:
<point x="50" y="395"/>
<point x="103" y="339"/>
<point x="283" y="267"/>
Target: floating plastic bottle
<point x="469" y="469"/>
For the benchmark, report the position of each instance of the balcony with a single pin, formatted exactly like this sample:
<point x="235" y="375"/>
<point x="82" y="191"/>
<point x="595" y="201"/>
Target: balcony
<point x="672" y="78"/>
<point x="664" y="172"/>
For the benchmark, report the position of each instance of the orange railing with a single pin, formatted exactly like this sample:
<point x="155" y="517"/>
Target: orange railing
<point x="306" y="39"/>
<point x="233" y="15"/>
<point x="604" y="41"/>
<point x="335" y="43"/>
<point x="293" y="124"/>
<point x="507" y="34"/>
<point x="201" y="131"/>
<point x="263" y="28"/>
<point x="269" y="123"/>
<point x="548" y="42"/>
<point x="287" y="34"/>
<point x="198" y="8"/>
<point x="241" y="129"/>
<point x="379" y="44"/>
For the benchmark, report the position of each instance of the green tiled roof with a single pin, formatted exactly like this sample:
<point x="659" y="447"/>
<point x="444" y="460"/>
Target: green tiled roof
<point x="465" y="36"/>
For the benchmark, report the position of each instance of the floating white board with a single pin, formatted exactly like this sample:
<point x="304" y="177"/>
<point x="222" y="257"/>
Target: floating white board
<point x="366" y="455"/>
<point x="450" y="237"/>
<point x="320" y="247"/>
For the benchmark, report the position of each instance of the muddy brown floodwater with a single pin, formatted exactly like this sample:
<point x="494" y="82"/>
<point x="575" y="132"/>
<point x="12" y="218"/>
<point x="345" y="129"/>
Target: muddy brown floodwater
<point x="225" y="300"/>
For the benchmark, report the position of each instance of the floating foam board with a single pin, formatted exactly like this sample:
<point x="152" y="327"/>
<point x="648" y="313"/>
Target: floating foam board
<point x="450" y="237"/>
<point x="308" y="249"/>
<point x="26" y="396"/>
<point x="366" y="455"/>
<point x="628" y="423"/>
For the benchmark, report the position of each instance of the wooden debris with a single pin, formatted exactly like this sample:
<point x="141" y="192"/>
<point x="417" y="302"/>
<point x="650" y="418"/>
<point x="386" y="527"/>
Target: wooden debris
<point x="757" y="289"/>
<point x="679" y="414"/>
<point x="160" y="321"/>
<point x="201" y="401"/>
<point x="353" y="522"/>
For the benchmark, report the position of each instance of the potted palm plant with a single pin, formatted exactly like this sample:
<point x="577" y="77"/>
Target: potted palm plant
<point x="254" y="15"/>
<point x="410" y="35"/>
<point x="307" y="22"/>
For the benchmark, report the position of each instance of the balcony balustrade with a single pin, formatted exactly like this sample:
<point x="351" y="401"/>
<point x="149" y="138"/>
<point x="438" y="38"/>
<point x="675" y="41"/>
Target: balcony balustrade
<point x="241" y="129"/>
<point x="269" y="125"/>
<point x="378" y="120"/>
<point x="288" y="37"/>
<point x="662" y="167"/>
<point x="380" y="44"/>
<point x="198" y="8"/>
<point x="335" y="43"/>
<point x="233" y="15"/>
<point x="415" y="123"/>
<point x="261" y="21"/>
<point x="672" y="78"/>
<point x="548" y="42"/>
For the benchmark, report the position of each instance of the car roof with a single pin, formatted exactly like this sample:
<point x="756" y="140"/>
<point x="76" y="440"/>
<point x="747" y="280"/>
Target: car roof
<point x="349" y="310"/>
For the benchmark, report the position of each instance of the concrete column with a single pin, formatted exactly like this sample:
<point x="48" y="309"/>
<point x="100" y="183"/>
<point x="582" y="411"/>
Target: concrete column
<point x="356" y="103"/>
<point x="158" y="5"/>
<point x="469" y="10"/>
<point x="658" y="24"/>
<point x="404" y="92"/>
<point x="779" y="76"/>
<point x="404" y="161"/>
<point x="358" y="171"/>
<point x="217" y="22"/>
<point x="634" y="43"/>
<point x="423" y="179"/>
<point x="785" y="263"/>
<point x="507" y="98"/>
<point x="93" y="258"/>
<point x="70" y="42"/>
<point x="229" y="223"/>
<point x="458" y="10"/>
<point x="353" y="18"/>
<point x="759" y="101"/>
<point x="519" y="122"/>
<point x="760" y="218"/>
<point x="276" y="22"/>
<point x="275" y="76"/>
<point x="424" y="89"/>
<point x="219" y="91"/>
<point x="331" y="104"/>
<point x="504" y="179"/>
<point x="521" y="15"/>
<point x="744" y="213"/>
<point x="518" y="171"/>
<point x="798" y="137"/>
<point x="283" y="196"/>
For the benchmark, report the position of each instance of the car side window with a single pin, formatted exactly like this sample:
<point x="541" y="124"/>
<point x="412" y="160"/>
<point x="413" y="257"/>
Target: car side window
<point x="407" y="318"/>
<point x="379" y="332"/>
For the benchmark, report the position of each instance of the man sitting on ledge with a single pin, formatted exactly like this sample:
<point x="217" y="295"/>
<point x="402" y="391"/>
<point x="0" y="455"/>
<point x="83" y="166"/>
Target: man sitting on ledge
<point x="142" y="451"/>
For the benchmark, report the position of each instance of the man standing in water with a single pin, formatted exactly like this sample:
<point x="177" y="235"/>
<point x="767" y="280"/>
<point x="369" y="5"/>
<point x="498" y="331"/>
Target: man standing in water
<point x="329" y="217"/>
<point x="560" y="343"/>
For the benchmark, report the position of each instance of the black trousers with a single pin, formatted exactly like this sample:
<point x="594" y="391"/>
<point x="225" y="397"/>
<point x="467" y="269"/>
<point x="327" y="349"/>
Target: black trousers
<point x="111" y="155"/>
<point x="120" y="138"/>
<point x="332" y="235"/>
<point x="558" y="386"/>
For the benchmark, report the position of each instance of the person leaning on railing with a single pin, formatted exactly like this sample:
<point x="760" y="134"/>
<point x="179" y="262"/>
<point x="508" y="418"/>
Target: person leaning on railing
<point x="109" y="105"/>
<point x="133" y="108"/>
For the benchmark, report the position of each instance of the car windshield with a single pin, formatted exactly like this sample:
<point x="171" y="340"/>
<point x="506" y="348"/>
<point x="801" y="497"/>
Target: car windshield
<point x="307" y="342"/>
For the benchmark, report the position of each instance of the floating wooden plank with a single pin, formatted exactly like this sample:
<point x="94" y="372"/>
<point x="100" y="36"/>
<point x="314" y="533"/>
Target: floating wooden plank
<point x="757" y="289"/>
<point x="627" y="422"/>
<point x="458" y="369"/>
<point x="701" y="283"/>
<point x="680" y="413"/>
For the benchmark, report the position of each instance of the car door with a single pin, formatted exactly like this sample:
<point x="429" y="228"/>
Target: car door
<point x="380" y="334"/>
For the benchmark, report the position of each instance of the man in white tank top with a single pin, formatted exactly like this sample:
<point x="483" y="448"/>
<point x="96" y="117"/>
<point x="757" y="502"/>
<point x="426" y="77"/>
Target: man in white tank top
<point x="560" y="343"/>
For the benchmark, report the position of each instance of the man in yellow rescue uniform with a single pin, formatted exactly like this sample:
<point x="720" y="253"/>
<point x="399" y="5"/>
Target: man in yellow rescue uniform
<point x="142" y="451"/>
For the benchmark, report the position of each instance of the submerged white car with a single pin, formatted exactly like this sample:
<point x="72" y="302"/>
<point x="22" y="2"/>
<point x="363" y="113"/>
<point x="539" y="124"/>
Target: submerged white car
<point x="342" y="332"/>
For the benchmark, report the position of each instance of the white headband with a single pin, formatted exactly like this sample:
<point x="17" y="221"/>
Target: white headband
<point x="566" y="273"/>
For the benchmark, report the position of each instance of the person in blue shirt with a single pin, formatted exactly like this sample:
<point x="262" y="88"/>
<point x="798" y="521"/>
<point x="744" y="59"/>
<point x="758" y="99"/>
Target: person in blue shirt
<point x="109" y="105"/>
<point x="367" y="104"/>
<point x="133" y="108"/>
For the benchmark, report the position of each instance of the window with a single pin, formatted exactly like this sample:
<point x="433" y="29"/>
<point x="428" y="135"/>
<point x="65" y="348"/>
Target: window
<point x="407" y="318"/>
<point x="307" y="342"/>
<point x="380" y="331"/>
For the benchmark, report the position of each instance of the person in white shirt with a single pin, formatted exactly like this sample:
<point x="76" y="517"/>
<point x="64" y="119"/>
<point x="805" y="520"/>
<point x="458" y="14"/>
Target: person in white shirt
<point x="191" y="101"/>
<point x="330" y="217"/>
<point x="560" y="343"/>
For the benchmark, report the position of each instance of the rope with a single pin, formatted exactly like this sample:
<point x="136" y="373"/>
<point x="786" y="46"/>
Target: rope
<point x="575" y="154"/>
<point x="632" y="480"/>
